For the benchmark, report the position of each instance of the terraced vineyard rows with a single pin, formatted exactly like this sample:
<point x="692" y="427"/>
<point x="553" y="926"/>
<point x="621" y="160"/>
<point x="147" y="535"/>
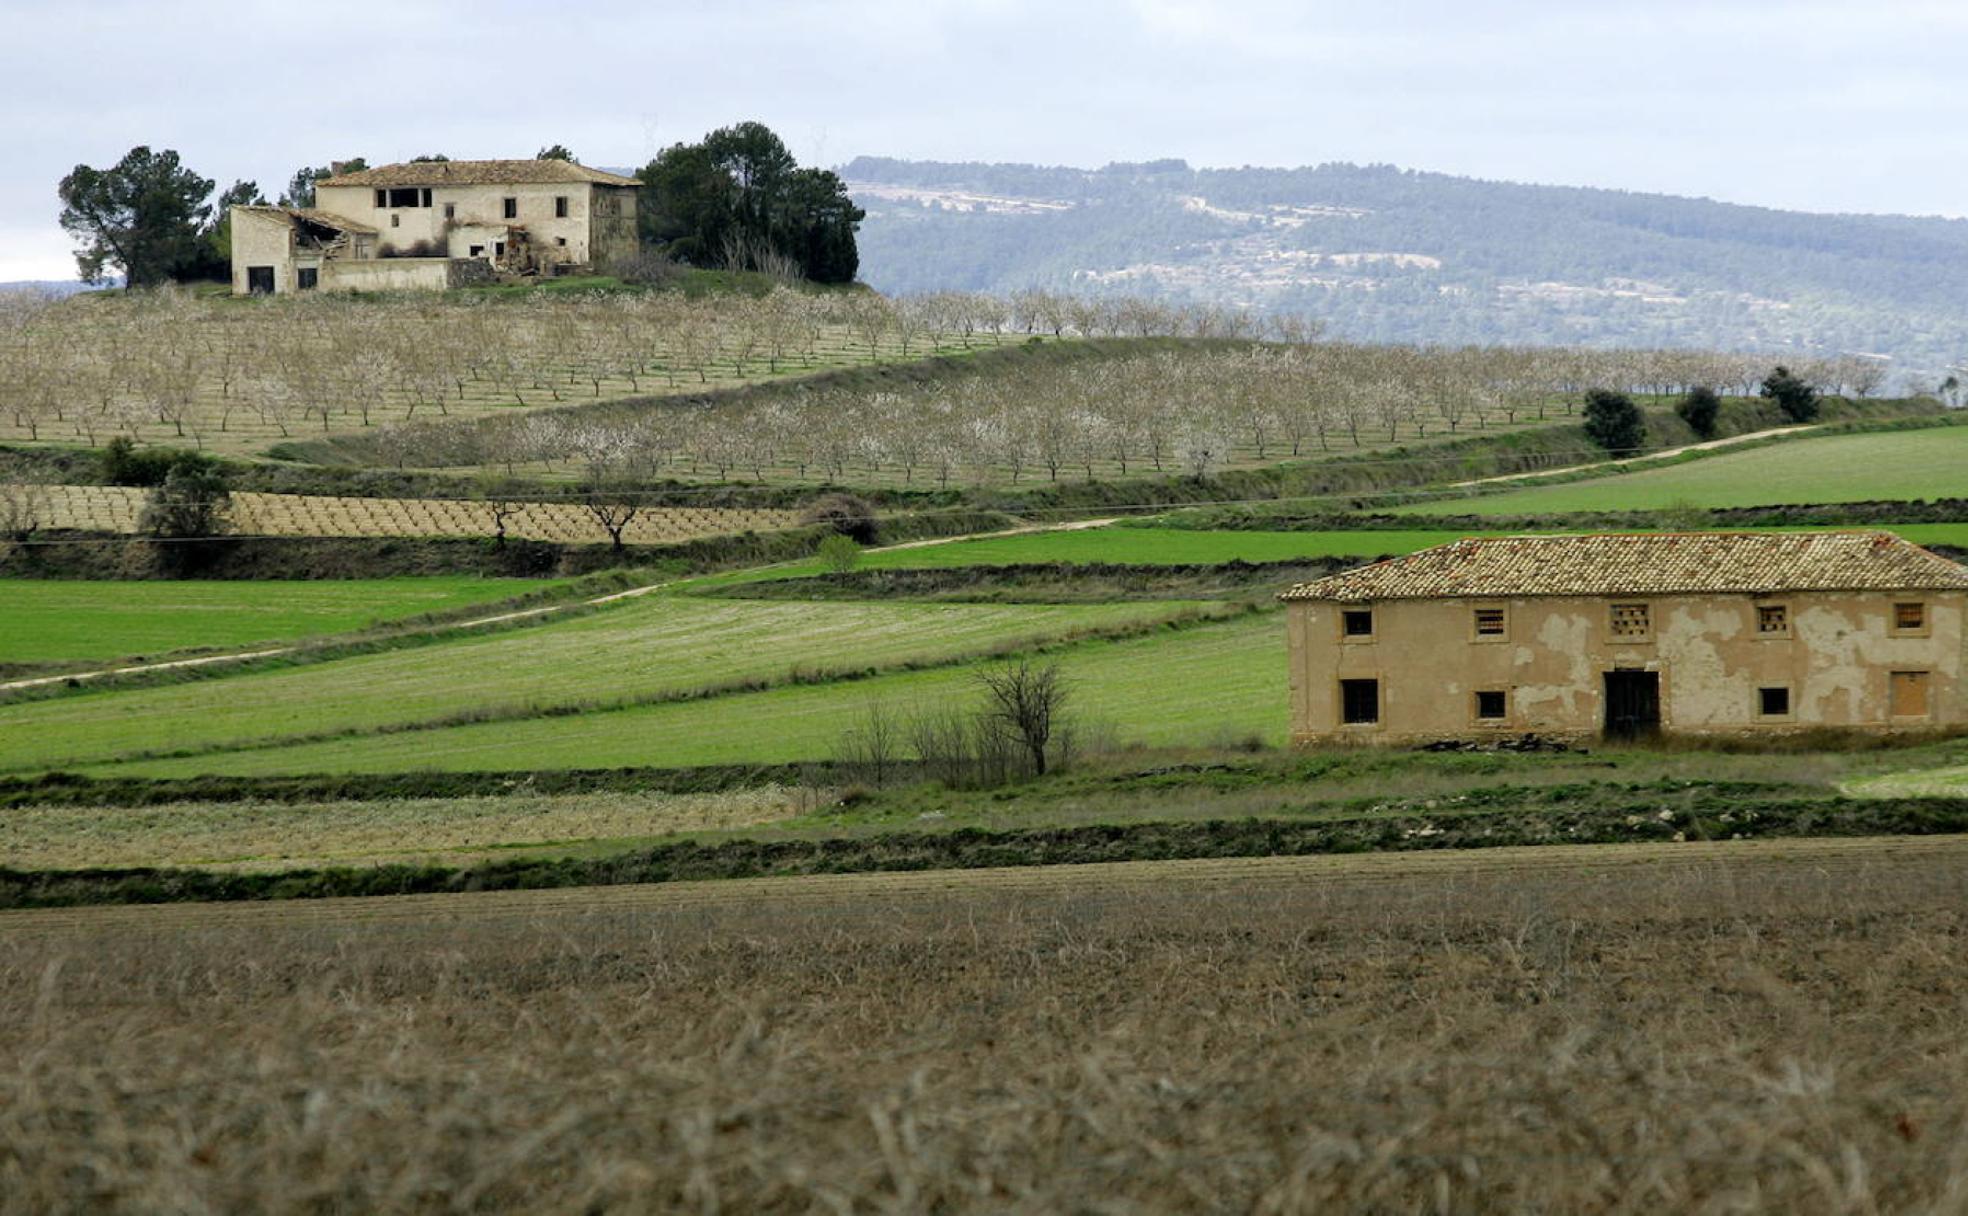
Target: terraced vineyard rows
<point x="116" y="509"/>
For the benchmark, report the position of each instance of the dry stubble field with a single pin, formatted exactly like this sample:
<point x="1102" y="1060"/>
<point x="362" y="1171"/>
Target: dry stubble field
<point x="1717" y="1028"/>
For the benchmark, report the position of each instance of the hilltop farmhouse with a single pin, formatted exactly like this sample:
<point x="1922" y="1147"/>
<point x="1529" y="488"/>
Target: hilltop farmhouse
<point x="436" y="224"/>
<point x="1630" y="635"/>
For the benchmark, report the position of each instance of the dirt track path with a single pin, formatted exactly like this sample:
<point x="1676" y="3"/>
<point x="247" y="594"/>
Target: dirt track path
<point x="1609" y="465"/>
<point x="503" y="617"/>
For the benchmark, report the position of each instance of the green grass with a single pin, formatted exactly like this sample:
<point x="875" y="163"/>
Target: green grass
<point x="1120" y="545"/>
<point x="656" y="646"/>
<point x="1928" y="463"/>
<point x="48" y="621"/>
<point x="1146" y="545"/>
<point x="1214" y="681"/>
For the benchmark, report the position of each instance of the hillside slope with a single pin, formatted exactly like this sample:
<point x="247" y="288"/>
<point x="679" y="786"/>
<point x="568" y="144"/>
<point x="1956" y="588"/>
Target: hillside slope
<point x="1389" y="254"/>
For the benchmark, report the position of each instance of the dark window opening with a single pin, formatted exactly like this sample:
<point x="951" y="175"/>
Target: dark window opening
<point x="1772" y="618"/>
<point x="1357" y="622"/>
<point x="408" y="196"/>
<point x="1773" y="702"/>
<point x="1489" y="622"/>
<point x="425" y="199"/>
<point x="1359" y="702"/>
<point x="396" y="221"/>
<point x="561" y="241"/>
<point x="306" y="277"/>
<point x="450" y="211"/>
<point x="560" y="206"/>
<point x="478" y="251"/>
<point x="382" y="198"/>
<point x="512" y="208"/>
<point x="499" y="249"/>
<point x="1909" y="617"/>
<point x="259" y="280"/>
<point x="1490" y="705"/>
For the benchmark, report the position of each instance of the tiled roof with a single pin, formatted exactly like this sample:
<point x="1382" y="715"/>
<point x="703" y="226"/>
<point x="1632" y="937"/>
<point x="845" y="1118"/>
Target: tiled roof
<point x="326" y="219"/>
<point x="478" y="173"/>
<point x="1639" y="563"/>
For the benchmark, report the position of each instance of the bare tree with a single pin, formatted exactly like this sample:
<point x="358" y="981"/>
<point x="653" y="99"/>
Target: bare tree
<point x="1023" y="701"/>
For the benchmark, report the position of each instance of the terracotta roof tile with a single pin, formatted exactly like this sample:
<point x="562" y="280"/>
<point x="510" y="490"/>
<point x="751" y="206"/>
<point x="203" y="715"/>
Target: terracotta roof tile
<point x="478" y="173"/>
<point x="1657" y="563"/>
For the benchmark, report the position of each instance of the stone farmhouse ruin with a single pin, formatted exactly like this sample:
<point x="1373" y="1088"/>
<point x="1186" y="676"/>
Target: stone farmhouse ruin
<point x="436" y="224"/>
<point x="1630" y="635"/>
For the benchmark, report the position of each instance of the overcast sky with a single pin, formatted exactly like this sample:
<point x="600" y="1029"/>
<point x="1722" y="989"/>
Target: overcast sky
<point x="1857" y="105"/>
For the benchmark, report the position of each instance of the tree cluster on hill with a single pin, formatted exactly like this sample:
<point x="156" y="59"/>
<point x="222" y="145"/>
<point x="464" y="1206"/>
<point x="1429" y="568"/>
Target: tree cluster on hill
<point x="152" y="218"/>
<point x="737" y="199"/>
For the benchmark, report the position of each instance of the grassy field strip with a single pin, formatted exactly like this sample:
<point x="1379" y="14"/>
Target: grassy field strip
<point x="1130" y="545"/>
<point x="657" y="645"/>
<point x="1585" y="864"/>
<point x="1125" y="545"/>
<point x="1917" y="783"/>
<point x="1224" y="680"/>
<point x="50" y="620"/>
<point x="116" y="508"/>
<point x="1640" y="462"/>
<point x="1931" y="463"/>
<point x="278" y="835"/>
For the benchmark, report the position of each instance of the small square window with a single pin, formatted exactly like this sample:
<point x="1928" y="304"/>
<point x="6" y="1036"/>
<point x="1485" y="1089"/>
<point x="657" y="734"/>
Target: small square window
<point x="561" y="241"/>
<point x="1773" y="702"/>
<point x="512" y="208"/>
<point x="1772" y="618"/>
<point x="1630" y="621"/>
<point x="1356" y="622"/>
<point x="1491" y="705"/>
<point x="1489" y="622"/>
<point x="1909" y="618"/>
<point x="307" y="278"/>
<point x="1359" y="702"/>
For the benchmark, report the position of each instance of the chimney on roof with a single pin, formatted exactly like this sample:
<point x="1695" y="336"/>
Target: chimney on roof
<point x="335" y="167"/>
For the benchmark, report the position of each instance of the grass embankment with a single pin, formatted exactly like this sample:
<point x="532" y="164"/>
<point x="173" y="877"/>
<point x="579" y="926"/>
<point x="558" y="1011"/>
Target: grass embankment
<point x="1906" y="464"/>
<point x="1752" y="1026"/>
<point x="659" y="648"/>
<point x="1560" y="817"/>
<point x="456" y="818"/>
<point x="44" y="621"/>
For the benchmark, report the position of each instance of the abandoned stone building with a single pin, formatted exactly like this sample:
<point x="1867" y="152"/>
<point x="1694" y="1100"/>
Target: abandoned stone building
<point x="1632" y="634"/>
<point x="436" y="224"/>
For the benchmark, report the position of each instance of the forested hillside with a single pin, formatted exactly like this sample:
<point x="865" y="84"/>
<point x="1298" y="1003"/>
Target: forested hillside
<point x="1389" y="254"/>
